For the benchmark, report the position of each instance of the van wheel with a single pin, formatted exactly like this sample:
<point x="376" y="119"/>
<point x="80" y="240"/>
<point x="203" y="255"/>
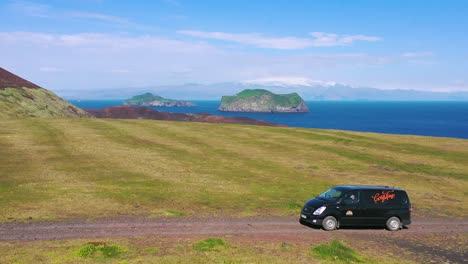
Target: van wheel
<point x="393" y="224"/>
<point x="329" y="223"/>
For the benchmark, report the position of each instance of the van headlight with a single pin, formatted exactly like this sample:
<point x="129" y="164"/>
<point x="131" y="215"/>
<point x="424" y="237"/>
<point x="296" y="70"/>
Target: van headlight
<point x="319" y="210"/>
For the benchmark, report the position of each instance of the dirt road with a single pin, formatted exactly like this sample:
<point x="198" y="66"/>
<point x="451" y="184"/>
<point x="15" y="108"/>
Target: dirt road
<point x="183" y="227"/>
<point x="439" y="240"/>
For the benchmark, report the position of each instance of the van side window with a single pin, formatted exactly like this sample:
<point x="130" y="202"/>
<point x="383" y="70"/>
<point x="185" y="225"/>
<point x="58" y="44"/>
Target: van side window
<point x="351" y="197"/>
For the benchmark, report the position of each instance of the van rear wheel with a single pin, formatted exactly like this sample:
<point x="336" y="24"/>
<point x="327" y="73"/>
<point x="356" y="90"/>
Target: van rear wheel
<point x="393" y="224"/>
<point x="329" y="223"/>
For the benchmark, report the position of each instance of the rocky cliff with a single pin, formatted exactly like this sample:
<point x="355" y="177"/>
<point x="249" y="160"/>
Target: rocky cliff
<point x="259" y="100"/>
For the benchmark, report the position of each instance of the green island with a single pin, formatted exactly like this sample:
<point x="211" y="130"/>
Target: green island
<point x="148" y="99"/>
<point x="260" y="100"/>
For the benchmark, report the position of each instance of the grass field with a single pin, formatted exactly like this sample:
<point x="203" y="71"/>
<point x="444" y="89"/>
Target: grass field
<point x="151" y="250"/>
<point x="54" y="169"/>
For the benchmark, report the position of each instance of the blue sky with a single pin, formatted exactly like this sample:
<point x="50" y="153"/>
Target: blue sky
<point x="103" y="44"/>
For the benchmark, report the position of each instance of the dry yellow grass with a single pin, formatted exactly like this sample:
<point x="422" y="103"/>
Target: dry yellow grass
<point x="54" y="169"/>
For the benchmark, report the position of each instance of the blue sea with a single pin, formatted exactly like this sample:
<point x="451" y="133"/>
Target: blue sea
<point x="441" y="119"/>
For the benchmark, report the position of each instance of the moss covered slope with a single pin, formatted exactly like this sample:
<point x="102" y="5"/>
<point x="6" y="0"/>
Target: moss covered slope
<point x="22" y="98"/>
<point x="27" y="102"/>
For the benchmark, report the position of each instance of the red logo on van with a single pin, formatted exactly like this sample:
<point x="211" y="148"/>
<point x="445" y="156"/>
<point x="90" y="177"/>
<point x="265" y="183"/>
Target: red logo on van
<point x="384" y="196"/>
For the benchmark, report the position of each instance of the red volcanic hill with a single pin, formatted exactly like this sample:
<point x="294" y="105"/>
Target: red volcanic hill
<point x="130" y="112"/>
<point x="22" y="98"/>
<point x="10" y="80"/>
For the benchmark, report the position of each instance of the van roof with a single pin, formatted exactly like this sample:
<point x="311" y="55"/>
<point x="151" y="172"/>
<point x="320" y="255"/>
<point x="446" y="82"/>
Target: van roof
<point x="367" y="187"/>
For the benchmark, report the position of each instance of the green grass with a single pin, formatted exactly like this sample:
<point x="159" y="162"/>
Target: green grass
<point x="100" y="250"/>
<point x="158" y="169"/>
<point x="158" y="250"/>
<point x="252" y="92"/>
<point x="337" y="252"/>
<point x="152" y="250"/>
<point x="210" y="244"/>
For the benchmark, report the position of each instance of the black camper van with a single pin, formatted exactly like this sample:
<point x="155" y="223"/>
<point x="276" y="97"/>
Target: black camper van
<point x="358" y="206"/>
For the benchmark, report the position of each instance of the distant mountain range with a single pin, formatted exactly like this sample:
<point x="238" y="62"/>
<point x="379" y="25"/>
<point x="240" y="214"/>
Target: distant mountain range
<point x="308" y="91"/>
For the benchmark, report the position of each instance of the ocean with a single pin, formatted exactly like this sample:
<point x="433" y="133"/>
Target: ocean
<point x="440" y="119"/>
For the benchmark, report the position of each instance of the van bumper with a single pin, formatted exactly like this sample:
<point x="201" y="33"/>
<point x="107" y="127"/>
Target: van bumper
<point x="308" y="221"/>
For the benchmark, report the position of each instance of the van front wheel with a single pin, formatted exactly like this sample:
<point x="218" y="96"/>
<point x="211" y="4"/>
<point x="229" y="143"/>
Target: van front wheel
<point x="393" y="224"/>
<point x="329" y="223"/>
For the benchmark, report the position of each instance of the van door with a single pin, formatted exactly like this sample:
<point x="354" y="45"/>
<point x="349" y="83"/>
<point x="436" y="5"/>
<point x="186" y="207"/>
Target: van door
<point x="350" y="209"/>
<point x="377" y="205"/>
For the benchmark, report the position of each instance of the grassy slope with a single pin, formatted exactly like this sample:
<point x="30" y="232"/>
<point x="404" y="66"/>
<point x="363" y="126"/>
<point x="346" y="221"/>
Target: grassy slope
<point x="25" y="102"/>
<point x="65" y="168"/>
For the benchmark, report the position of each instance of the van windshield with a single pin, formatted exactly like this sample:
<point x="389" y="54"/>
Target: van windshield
<point x="332" y="194"/>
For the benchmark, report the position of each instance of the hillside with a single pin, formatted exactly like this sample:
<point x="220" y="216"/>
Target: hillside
<point x="259" y="100"/>
<point x="92" y="168"/>
<point x="21" y="98"/>
<point x="148" y="99"/>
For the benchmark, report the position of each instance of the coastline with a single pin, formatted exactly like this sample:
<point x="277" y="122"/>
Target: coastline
<point x="422" y="118"/>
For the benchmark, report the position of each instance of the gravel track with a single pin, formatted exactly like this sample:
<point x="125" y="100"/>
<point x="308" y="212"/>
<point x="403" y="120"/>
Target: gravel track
<point x="190" y="227"/>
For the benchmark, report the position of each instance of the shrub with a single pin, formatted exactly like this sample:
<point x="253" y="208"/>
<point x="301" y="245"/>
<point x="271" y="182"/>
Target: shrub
<point x="87" y="250"/>
<point x="210" y="244"/>
<point x="336" y="251"/>
<point x="110" y="251"/>
<point x="107" y="251"/>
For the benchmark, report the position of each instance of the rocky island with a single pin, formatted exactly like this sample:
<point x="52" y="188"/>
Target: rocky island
<point x="148" y="99"/>
<point x="263" y="101"/>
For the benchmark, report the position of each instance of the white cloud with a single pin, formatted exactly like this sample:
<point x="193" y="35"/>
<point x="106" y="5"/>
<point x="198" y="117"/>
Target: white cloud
<point x="50" y="69"/>
<point x="288" y="81"/>
<point x="422" y="62"/>
<point x="97" y="16"/>
<point x="104" y="42"/>
<point x="423" y="54"/>
<point x="45" y="11"/>
<point x="114" y="20"/>
<point x="94" y="61"/>
<point x="153" y="59"/>
<point x="320" y="39"/>
<point x="323" y="39"/>
<point x="121" y="71"/>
